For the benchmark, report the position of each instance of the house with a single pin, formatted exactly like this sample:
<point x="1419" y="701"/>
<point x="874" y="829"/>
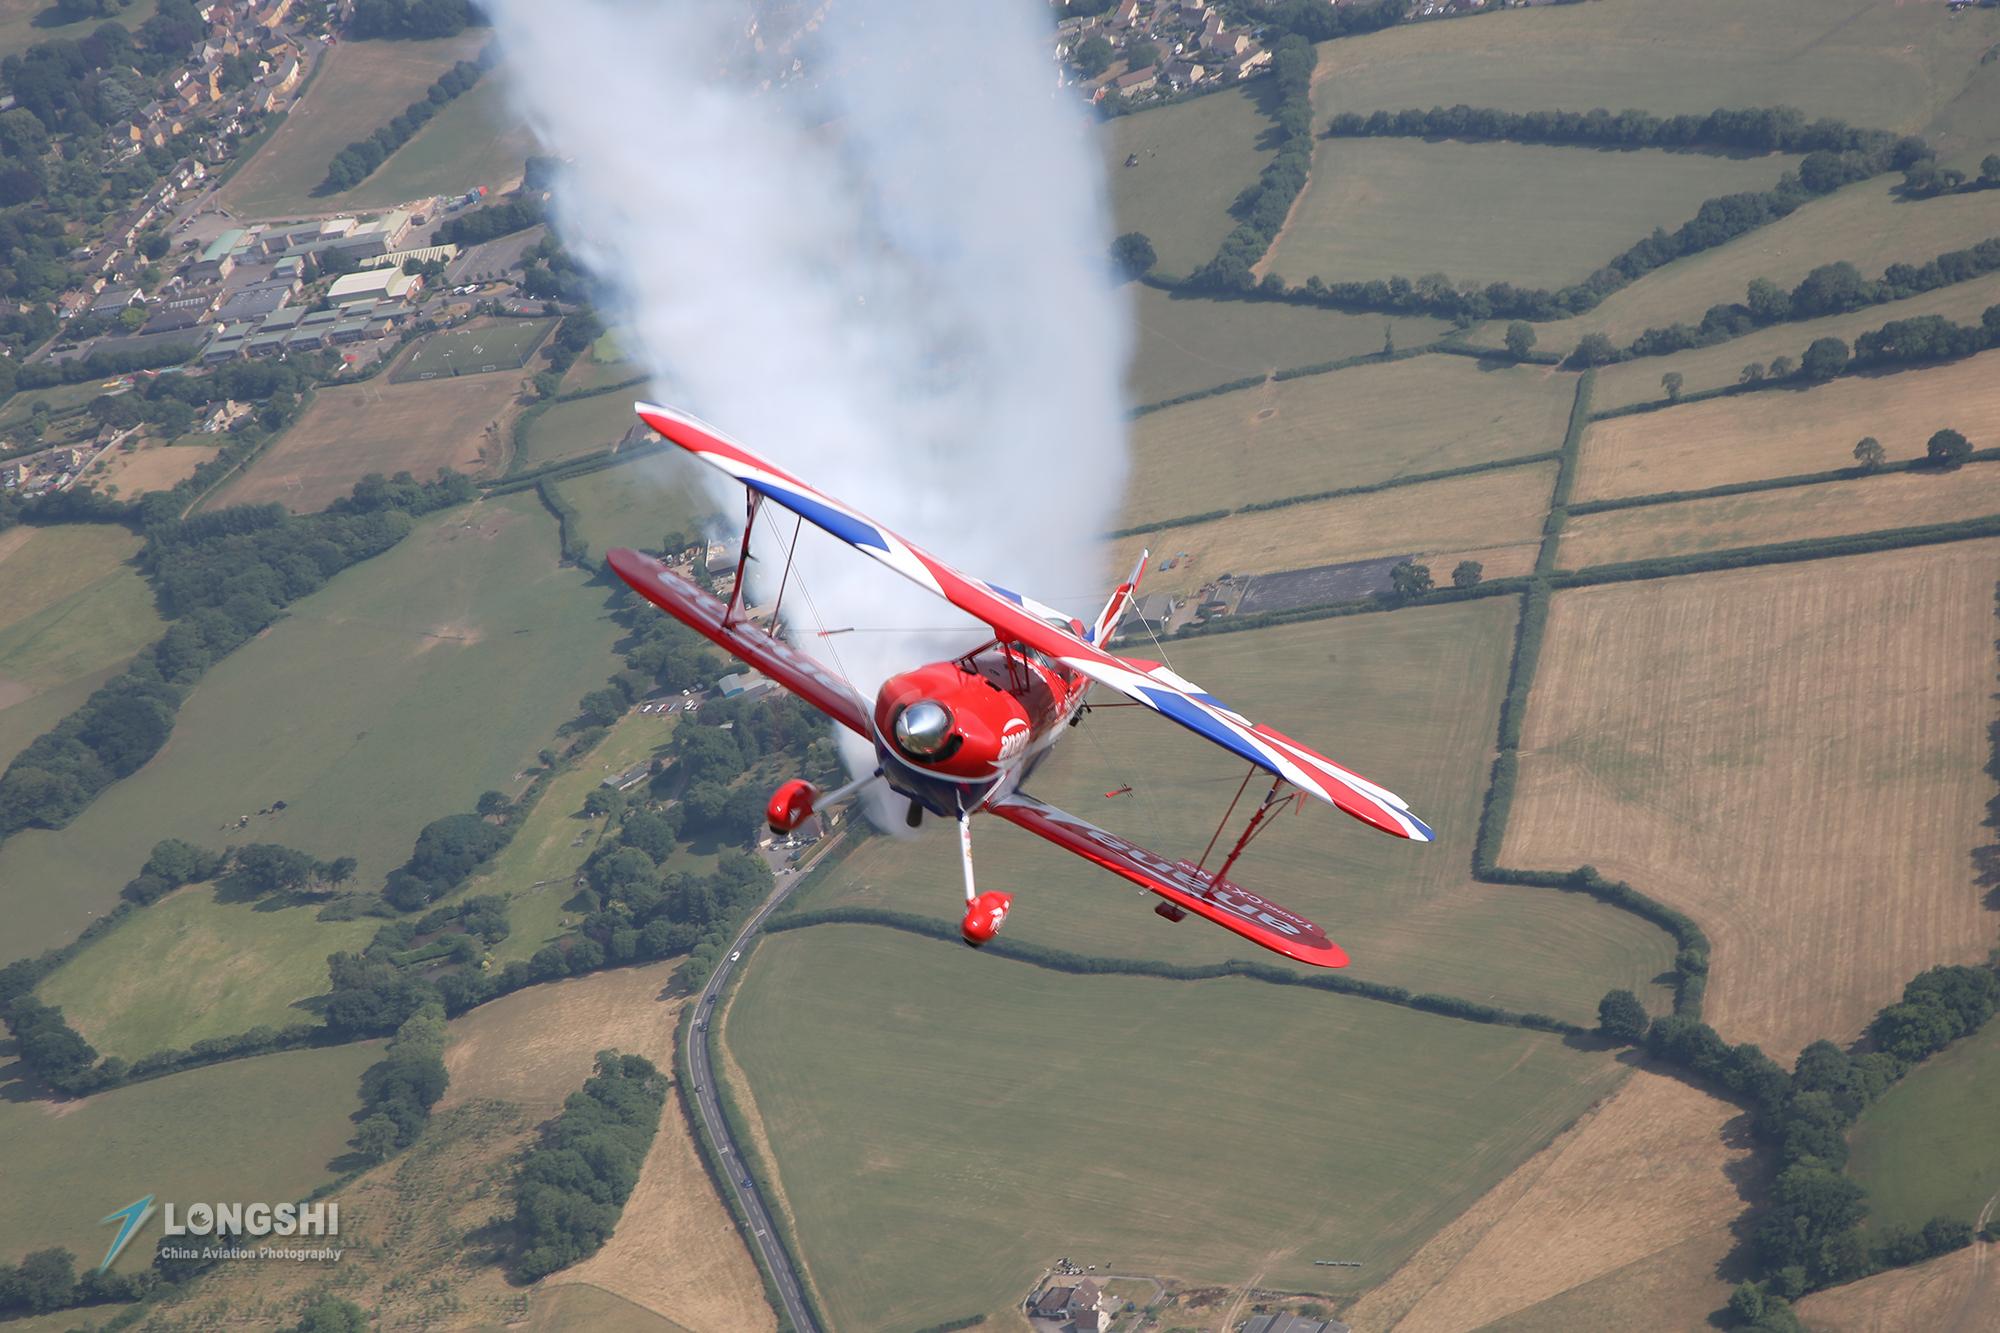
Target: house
<point x="630" y="778"/>
<point x="71" y="304"/>
<point x="285" y="78"/>
<point x="1243" y="66"/>
<point x="1155" y="610"/>
<point x="270" y="14"/>
<point x="116" y="299"/>
<point x="1291" y="1323"/>
<point x="743" y="683"/>
<point x="1126" y="14"/>
<point x="1089" y="1309"/>
<point x="1136" y="81"/>
<point x="173" y="319"/>
<point x="1053" y="1303"/>
<point x="1185" y="73"/>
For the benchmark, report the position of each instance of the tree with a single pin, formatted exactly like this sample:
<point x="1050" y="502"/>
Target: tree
<point x="1520" y="339"/>
<point x="604" y="800"/>
<point x="1410" y="579"/>
<point x="1134" y="254"/>
<point x="1781" y="366"/>
<point x="1948" y="450"/>
<point x="1621" y="1017"/>
<point x="375" y="1138"/>
<point x="1870" y="453"/>
<point x="1671" y="382"/>
<point x="1752" y="373"/>
<point x="1091" y="56"/>
<point x="1823" y="360"/>
<point x="1142" y="55"/>
<point x="493" y="803"/>
<point x="1467" y="573"/>
<point x="1746" y="1303"/>
<point x="1594" y="349"/>
<point x="330" y="1314"/>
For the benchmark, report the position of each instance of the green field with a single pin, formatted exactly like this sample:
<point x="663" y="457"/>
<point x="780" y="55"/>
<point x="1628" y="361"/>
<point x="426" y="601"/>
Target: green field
<point x="475" y="140"/>
<point x="19" y="29"/>
<point x="1864" y="223"/>
<point x="483" y="345"/>
<point x="1928" y="1147"/>
<point x="638" y="504"/>
<point x="1542" y="216"/>
<point x="1348" y="428"/>
<point x="1875" y="64"/>
<point x="1218" y="1131"/>
<point x="262" y="1128"/>
<point x="578" y="427"/>
<point x="59" y="397"/>
<point x="1194" y="159"/>
<point x="1638" y="380"/>
<point x="604" y="364"/>
<point x="1411" y="700"/>
<point x="1187" y="343"/>
<point x="191" y="967"/>
<point x="355" y="90"/>
<point x="394" y="695"/>
<point x="35" y="713"/>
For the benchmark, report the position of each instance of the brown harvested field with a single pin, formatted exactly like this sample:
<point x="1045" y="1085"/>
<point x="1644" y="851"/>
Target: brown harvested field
<point x="379" y="427"/>
<point x="1700" y="368"/>
<point x="155" y="467"/>
<point x="1783" y="432"/>
<point x="1829" y="509"/>
<point x="1790" y="754"/>
<point x="1955" y="1293"/>
<point x="1348" y="428"/>
<point x="1492" y="517"/>
<point x="1652" y="1171"/>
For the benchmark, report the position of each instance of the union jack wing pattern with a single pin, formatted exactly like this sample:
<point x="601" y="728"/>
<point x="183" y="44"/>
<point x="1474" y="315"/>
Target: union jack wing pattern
<point x="1014" y="616"/>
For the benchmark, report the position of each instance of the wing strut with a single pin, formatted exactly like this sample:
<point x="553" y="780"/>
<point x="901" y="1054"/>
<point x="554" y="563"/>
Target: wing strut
<point x="753" y="501"/>
<point x="1272" y="801"/>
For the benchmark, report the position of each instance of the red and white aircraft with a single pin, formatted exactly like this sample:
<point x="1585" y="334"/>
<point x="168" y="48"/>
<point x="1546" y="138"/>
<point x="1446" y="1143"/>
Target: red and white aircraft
<point x="958" y="737"/>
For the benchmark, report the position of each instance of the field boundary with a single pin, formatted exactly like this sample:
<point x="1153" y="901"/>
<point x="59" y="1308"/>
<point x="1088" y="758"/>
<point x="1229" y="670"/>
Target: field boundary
<point x="1770" y="483"/>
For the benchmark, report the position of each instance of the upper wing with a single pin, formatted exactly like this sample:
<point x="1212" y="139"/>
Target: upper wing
<point x="1228" y="905"/>
<point x="702" y="611"/>
<point x="1046" y="630"/>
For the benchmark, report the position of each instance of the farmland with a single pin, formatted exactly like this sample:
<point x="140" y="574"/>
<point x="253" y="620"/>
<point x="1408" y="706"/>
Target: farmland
<point x="1832" y="509"/>
<point x="475" y="140"/>
<point x="638" y="503"/>
<point x="1411" y="700"/>
<point x="182" y="970"/>
<point x="287" y="1117"/>
<point x="394" y="695"/>
<point x="1924" y="1150"/>
<point x="1843" y="225"/>
<point x="1347" y="428"/>
<point x="903" y="1036"/>
<point x="1837" y="711"/>
<point x="1954" y="1291"/>
<point x="482" y="345"/>
<point x="1700" y="368"/>
<point x="1548" y="215"/>
<point x="1188" y="343"/>
<point x="156" y="467"/>
<point x="26" y="22"/>
<point x="580" y="426"/>
<point x="1649" y="1179"/>
<point x="1892" y="66"/>
<point x="356" y="89"/>
<point x="1491" y="517"/>
<point x="1784" y="432"/>
<point x="348" y="432"/>
<point x="1193" y="161"/>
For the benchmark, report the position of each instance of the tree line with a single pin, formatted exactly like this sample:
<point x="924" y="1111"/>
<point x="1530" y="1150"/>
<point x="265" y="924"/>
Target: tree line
<point x="398" y="1091"/>
<point x="1810" y="1234"/>
<point x="356" y="162"/>
<point x="1260" y="209"/>
<point x="574" y="1182"/>
<point x="415" y="20"/>
<point x="1772" y="129"/>
<point x="494" y="220"/>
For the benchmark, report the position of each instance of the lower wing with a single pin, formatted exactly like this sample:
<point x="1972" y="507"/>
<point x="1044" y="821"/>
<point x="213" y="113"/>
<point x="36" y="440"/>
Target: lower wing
<point x="703" y="612"/>
<point x="1227" y="905"/>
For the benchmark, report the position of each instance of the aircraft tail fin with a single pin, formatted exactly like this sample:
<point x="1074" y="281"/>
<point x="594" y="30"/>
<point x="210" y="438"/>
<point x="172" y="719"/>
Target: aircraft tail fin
<point x="1122" y="598"/>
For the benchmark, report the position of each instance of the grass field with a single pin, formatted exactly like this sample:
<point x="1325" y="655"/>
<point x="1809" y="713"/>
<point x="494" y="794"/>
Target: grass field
<point x="581" y="426"/>
<point x="1546" y="216"/>
<point x="22" y="23"/>
<point x="1864" y="224"/>
<point x="459" y="423"/>
<point x="1887" y="65"/>
<point x="1925" y="1149"/>
<point x="262" y="1128"/>
<point x="480" y="346"/>
<point x="1492" y="517"/>
<point x="1348" y="428"/>
<point x="33" y="714"/>
<point x="475" y="140"/>
<point x="1187" y="343"/>
<point x="59" y="397"/>
<point x="1790" y="754"/>
<point x="1783" y="432"/>
<point x="396" y="694"/>
<point x="155" y="467"/>
<point x="1411" y="699"/>
<point x="355" y="91"/>
<point x="1071" y="1088"/>
<point x="1833" y="509"/>
<point x="1194" y="159"/>
<point x="604" y="364"/>
<point x="179" y="972"/>
<point x="638" y="504"/>
<point x="1638" y="380"/>
<point x="1650" y="1180"/>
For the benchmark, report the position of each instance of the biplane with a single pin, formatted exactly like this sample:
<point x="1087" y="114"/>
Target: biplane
<point x="959" y="737"/>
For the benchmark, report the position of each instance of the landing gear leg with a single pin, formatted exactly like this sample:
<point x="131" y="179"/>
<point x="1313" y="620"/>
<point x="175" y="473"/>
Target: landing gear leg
<point x="914" y="816"/>
<point x="985" y="912"/>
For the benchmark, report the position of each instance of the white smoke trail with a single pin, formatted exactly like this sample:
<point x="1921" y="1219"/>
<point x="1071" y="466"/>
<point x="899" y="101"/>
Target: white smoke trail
<point x="887" y="273"/>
